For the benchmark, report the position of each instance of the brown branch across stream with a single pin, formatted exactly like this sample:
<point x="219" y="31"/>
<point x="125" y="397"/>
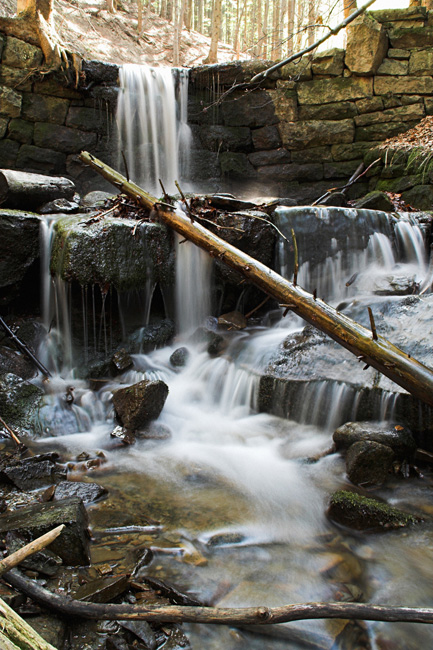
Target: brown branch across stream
<point x="408" y="373"/>
<point x="217" y="615"/>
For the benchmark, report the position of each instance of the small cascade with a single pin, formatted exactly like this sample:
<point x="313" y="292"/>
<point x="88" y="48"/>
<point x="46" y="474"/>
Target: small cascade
<point x="154" y="135"/>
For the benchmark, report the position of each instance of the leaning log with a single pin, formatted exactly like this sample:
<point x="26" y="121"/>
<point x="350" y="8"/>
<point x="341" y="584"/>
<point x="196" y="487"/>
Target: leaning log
<point x="28" y="191"/>
<point x="378" y="352"/>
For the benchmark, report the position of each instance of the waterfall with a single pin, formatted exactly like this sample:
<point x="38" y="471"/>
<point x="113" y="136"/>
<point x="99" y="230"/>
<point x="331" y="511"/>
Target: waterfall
<point x="154" y="135"/>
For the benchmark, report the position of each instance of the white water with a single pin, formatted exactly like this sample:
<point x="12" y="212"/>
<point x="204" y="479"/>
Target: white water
<point x="152" y="124"/>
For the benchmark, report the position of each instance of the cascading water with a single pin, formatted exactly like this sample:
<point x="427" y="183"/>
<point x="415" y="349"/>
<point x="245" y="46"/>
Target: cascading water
<point x="241" y="506"/>
<point x="154" y="135"/>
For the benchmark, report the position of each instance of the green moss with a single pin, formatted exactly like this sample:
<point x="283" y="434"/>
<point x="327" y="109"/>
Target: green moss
<point x="363" y="513"/>
<point x="110" y="252"/>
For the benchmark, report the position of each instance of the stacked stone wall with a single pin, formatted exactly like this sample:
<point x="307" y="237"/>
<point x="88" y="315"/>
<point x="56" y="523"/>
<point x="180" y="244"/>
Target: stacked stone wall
<point x="305" y="129"/>
<point x="313" y="122"/>
<point x="45" y="121"/>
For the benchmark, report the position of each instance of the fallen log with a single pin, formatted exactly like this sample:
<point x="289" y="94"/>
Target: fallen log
<point x="216" y="615"/>
<point x="29" y="191"/>
<point x="16" y="634"/>
<point x="378" y="352"/>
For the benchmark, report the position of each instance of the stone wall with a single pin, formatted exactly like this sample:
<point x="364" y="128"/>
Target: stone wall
<point x="45" y="121"/>
<point x="314" y="121"/>
<point x="306" y="129"/>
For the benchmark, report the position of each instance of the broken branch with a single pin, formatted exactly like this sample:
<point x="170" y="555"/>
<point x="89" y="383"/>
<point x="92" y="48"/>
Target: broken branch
<point x="36" y="545"/>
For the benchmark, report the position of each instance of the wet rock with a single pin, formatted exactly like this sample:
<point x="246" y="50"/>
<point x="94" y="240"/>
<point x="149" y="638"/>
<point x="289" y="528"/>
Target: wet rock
<point x="140" y="403"/>
<point x="143" y="631"/>
<point x="102" y="590"/>
<point x="51" y="628"/>
<point x="336" y="199"/>
<point x="19" y="401"/>
<point x="392" y="285"/>
<point x="362" y="513"/>
<point x="95" y="199"/>
<point x="153" y="431"/>
<point x="87" y="492"/>
<point x="397" y="437"/>
<point x="100" y="72"/>
<point x="73" y="543"/>
<point x="152" y="336"/>
<point x="208" y="337"/>
<point x="180" y="357"/>
<point x="369" y="463"/>
<point x="124" y="435"/>
<point x="60" y="205"/>
<point x="45" y="561"/>
<point x="11" y="361"/>
<point x="376" y="200"/>
<point x="33" y="473"/>
<point x="233" y="320"/>
<point x="121" y="361"/>
<point x="19" y="245"/>
<point x="226" y="539"/>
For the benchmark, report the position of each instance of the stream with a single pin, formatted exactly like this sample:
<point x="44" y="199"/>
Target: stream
<point x="228" y="498"/>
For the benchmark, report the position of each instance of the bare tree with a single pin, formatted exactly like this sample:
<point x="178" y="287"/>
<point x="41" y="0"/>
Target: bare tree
<point x="216" y="24"/>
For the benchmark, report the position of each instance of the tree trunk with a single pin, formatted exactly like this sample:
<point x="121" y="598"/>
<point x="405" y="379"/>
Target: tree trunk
<point x="379" y="353"/>
<point x="29" y="191"/>
<point x="216" y="24"/>
<point x="291" y="27"/>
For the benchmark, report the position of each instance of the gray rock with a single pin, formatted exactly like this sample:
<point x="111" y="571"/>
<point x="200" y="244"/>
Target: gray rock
<point x="87" y="492"/>
<point x="73" y="543"/>
<point x="121" y="361"/>
<point x="267" y="137"/>
<point x="44" y="108"/>
<point x="95" y="199"/>
<point x="361" y="513"/>
<point x="179" y="358"/>
<point x="140" y="403"/>
<point x="253" y="109"/>
<point x="100" y="72"/>
<point x="369" y="463"/>
<point x="10" y="102"/>
<point x="398" y="438"/>
<point x="19" y="401"/>
<point x="38" y="159"/>
<point x="33" y="473"/>
<point x="19" y="54"/>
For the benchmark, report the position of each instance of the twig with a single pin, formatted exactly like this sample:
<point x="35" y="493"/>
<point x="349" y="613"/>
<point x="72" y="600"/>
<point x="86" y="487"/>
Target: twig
<point x="218" y="615"/>
<point x="353" y="179"/>
<point x="253" y="311"/>
<point x="166" y="197"/>
<point x="29" y="549"/>
<point x="23" y="347"/>
<point x="188" y="209"/>
<point x="10" y="432"/>
<point x="126" y="166"/>
<point x="372" y="324"/>
<point x="296" y="263"/>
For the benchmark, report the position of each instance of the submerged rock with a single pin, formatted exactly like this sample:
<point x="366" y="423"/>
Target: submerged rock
<point x="362" y="513"/>
<point x="140" y="403"/>
<point x="368" y="462"/>
<point x="397" y="437"/>
<point x="233" y="320"/>
<point x="121" y="361"/>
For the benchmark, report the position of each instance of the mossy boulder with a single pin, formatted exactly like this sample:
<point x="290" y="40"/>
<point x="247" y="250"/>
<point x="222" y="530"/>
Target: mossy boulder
<point x="20" y="401"/>
<point x="362" y="513"/>
<point x="112" y="251"/>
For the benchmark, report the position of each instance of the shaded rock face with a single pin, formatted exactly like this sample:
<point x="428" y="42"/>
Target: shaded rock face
<point x="19" y="401"/>
<point x="368" y="463"/>
<point x="362" y="513"/>
<point x="140" y="403"/>
<point x="19" y="248"/>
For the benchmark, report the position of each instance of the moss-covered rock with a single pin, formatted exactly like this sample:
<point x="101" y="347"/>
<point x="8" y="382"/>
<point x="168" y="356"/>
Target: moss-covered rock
<point x="110" y="252"/>
<point x="19" y="401"/>
<point x="362" y="513"/>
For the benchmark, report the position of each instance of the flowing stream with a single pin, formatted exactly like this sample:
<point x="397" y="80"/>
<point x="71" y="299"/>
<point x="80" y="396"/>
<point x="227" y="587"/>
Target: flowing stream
<point x="241" y="509"/>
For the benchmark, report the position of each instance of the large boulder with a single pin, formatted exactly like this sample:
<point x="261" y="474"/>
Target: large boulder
<point x="367" y="44"/>
<point x="369" y="463"/>
<point x="140" y="403"/>
<point x="19" y="248"/>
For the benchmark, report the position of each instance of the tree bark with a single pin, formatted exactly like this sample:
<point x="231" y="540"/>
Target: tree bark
<point x="405" y="371"/>
<point x="16" y="634"/>
<point x="217" y="615"/>
<point x="29" y="191"/>
<point x="212" y="57"/>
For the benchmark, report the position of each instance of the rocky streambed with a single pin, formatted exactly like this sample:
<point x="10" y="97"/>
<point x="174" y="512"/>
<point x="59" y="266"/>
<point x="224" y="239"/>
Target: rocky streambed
<point x="215" y="464"/>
